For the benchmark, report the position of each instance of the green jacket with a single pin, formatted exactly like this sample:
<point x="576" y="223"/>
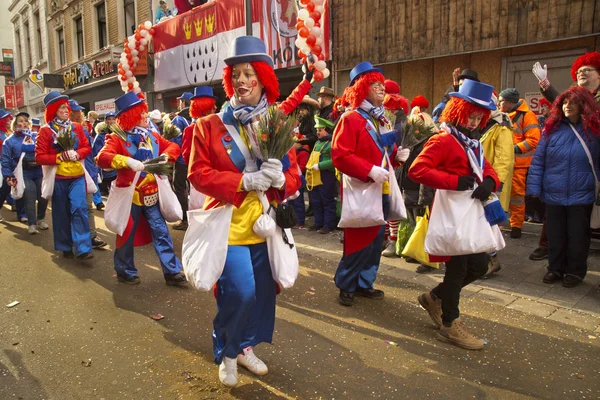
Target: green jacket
<point x="325" y="161"/>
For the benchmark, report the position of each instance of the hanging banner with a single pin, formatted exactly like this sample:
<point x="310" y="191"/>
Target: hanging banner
<point x="104" y="106"/>
<point x="19" y="94"/>
<point x="189" y="49"/>
<point x="9" y="96"/>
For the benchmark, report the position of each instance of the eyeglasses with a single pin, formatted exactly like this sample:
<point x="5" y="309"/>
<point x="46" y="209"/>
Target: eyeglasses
<point x="585" y="71"/>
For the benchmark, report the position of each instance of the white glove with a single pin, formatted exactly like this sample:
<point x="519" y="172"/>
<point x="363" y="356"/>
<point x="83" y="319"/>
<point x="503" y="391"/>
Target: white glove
<point x="378" y="174"/>
<point x="315" y="167"/>
<point x="294" y="196"/>
<point x="402" y="155"/>
<point x="255" y="181"/>
<point x="73" y="156"/>
<point x="273" y="169"/>
<point x="135" y="165"/>
<point x="539" y="72"/>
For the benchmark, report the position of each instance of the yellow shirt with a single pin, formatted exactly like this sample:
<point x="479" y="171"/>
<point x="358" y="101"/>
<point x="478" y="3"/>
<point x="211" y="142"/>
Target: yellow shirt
<point x="69" y="168"/>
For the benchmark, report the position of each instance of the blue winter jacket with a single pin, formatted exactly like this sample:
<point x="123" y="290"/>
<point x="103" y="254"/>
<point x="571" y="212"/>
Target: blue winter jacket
<point x="11" y="152"/>
<point x="560" y="173"/>
<point x="181" y="123"/>
<point x="89" y="163"/>
<point x="96" y="147"/>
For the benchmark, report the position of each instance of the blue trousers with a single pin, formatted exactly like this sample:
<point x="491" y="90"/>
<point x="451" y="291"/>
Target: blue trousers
<point x="322" y="198"/>
<point x="300" y="207"/>
<point x="161" y="239"/>
<point x="70" y="223"/>
<point x="33" y="195"/>
<point x="245" y="301"/>
<point x="360" y="268"/>
<point x="97" y="197"/>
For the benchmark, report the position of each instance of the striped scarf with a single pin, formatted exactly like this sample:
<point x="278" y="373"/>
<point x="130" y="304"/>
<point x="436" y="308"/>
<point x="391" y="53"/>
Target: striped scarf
<point x="143" y="132"/>
<point x="375" y="112"/>
<point x="472" y="147"/>
<point x="60" y="124"/>
<point x="245" y="114"/>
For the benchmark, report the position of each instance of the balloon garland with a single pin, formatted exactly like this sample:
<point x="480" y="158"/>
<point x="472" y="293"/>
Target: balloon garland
<point x="310" y="41"/>
<point x="134" y="46"/>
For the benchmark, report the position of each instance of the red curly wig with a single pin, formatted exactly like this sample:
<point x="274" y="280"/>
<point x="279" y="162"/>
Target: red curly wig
<point x="391" y="87"/>
<point x="591" y="59"/>
<point x="201" y="107"/>
<point x="129" y="119"/>
<point x="589" y="109"/>
<point x="396" y="102"/>
<point x="358" y="92"/>
<point x="5" y="123"/>
<point x="458" y="111"/>
<point x="50" y="111"/>
<point x="266" y="76"/>
<point x="420" y="101"/>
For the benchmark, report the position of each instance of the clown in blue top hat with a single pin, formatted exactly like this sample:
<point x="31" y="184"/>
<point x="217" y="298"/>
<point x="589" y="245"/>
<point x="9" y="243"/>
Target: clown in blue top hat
<point x="53" y="97"/>
<point x="476" y="93"/>
<point x="203" y="91"/>
<point x="361" y="69"/>
<point x="127" y="101"/>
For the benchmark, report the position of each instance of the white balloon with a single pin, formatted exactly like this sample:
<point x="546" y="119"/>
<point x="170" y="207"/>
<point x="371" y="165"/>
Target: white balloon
<point x="303" y="14"/>
<point x="315" y="30"/>
<point x="144" y="33"/>
<point x="319" y="41"/>
<point x="142" y="48"/>
<point x="320" y="65"/>
<point x="134" y="52"/>
<point x="137" y="90"/>
<point x="129" y="73"/>
<point x="305" y="49"/>
<point x="319" y="8"/>
<point x="326" y="73"/>
<point x="131" y="79"/>
<point x="136" y="84"/>
<point x="309" y="23"/>
<point x="136" y="59"/>
<point x="131" y="39"/>
<point x="131" y="45"/>
<point x="125" y="66"/>
<point x="300" y="42"/>
<point x="318" y="2"/>
<point x="143" y="41"/>
<point x="148" y="24"/>
<point x="303" y="68"/>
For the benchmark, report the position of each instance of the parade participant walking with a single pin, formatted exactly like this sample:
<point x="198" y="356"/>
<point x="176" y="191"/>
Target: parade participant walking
<point x="203" y="103"/>
<point x="35" y="124"/>
<point x="110" y="174"/>
<point x="526" y="134"/>
<point x="222" y="167"/>
<point x="325" y="97"/>
<point x="22" y="143"/>
<point x="320" y="179"/>
<point x="359" y="146"/>
<point x="561" y="175"/>
<point x="92" y="169"/>
<point x="5" y="120"/>
<point x="444" y="164"/>
<point x="180" y="183"/>
<point x="146" y="223"/>
<point x="70" y="224"/>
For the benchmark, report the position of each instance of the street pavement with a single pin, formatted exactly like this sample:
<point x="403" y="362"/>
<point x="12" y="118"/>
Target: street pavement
<point x="78" y="334"/>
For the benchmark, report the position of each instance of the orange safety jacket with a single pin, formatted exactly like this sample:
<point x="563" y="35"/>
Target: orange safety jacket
<point x="526" y="133"/>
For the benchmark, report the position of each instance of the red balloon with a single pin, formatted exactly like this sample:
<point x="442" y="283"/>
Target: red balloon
<point x="315" y="15"/>
<point x="127" y="50"/>
<point x="141" y="26"/>
<point x="151" y="31"/>
<point x="301" y="54"/>
<point x="311" y="40"/>
<point x="299" y="25"/>
<point x="310" y="7"/>
<point x="317" y="49"/>
<point x="124" y="78"/>
<point x="321" y="57"/>
<point x="137" y="36"/>
<point x="303" y="60"/>
<point x="318" y="76"/>
<point x="305" y="2"/>
<point x="303" y="32"/>
<point x="121" y="71"/>
<point x="130" y="85"/>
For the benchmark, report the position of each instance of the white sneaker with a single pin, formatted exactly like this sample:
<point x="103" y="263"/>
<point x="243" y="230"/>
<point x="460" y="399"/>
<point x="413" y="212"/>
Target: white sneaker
<point x="252" y="363"/>
<point x="42" y="225"/>
<point x="390" y="250"/>
<point x="23" y="220"/>
<point x="228" y="372"/>
<point x="32" y="230"/>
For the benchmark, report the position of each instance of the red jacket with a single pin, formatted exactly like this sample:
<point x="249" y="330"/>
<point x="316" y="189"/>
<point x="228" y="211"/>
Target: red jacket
<point x="45" y="151"/>
<point x="442" y="161"/>
<point x="186" y="143"/>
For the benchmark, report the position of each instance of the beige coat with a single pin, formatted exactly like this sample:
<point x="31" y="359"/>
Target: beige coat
<point x="498" y="150"/>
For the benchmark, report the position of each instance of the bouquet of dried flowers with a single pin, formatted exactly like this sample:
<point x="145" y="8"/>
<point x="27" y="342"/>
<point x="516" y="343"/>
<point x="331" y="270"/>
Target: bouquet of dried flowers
<point x="65" y="139"/>
<point x="159" y="166"/>
<point x="272" y="136"/>
<point x="171" y="131"/>
<point x="391" y="116"/>
<point x="117" y="130"/>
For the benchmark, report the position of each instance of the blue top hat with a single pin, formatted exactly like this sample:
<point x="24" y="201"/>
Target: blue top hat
<point x="126" y="101"/>
<point x="248" y="49"/>
<point x="35" y="122"/>
<point x="54" y="96"/>
<point x="185" y="96"/>
<point x="476" y="93"/>
<point x="4" y="113"/>
<point x="110" y="114"/>
<point x="362" y="69"/>
<point x="75" y="105"/>
<point x="203" y="91"/>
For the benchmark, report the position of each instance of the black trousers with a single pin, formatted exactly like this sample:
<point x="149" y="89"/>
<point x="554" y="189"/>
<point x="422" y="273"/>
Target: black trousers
<point x="104" y="186"/>
<point x="180" y="186"/>
<point x="569" y="235"/>
<point x="460" y="271"/>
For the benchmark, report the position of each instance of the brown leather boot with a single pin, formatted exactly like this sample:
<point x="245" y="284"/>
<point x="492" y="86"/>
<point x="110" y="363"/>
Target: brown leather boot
<point x="458" y="335"/>
<point x="433" y="307"/>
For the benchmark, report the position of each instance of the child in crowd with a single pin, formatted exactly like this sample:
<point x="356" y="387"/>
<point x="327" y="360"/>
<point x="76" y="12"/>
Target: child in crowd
<point x="302" y="155"/>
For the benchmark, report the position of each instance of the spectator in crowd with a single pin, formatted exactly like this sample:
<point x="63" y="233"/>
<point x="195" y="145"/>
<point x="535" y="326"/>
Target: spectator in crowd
<point x="163" y="11"/>
<point x="561" y="175"/>
<point x="421" y="102"/>
<point x="108" y="175"/>
<point x="157" y="120"/>
<point x="326" y="97"/>
<point x="90" y="123"/>
<point x="302" y="155"/>
<point x="457" y="80"/>
<point x="526" y="134"/>
<point x="306" y="118"/>
<point x="70" y="223"/>
<point x="35" y="124"/>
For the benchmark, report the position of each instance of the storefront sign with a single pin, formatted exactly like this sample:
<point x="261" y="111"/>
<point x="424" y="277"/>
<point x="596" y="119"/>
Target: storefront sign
<point x="6" y="68"/>
<point x="19" y="94"/>
<point x="7" y="55"/>
<point x="85" y="72"/>
<point x="9" y="96"/>
<point x="104" y="106"/>
<point x="533" y="101"/>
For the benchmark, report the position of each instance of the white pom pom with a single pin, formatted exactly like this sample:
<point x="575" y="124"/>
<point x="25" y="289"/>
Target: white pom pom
<point x="148" y="24"/>
<point x="319" y="8"/>
<point x="143" y="41"/>
<point x="136" y="59"/>
<point x="134" y="52"/>
<point x="126" y="66"/>
<point x="142" y="48"/>
<point x="131" y="39"/>
<point x="319" y="41"/>
<point x="144" y="33"/>
<point x="320" y="65"/>
<point x="326" y="73"/>
<point x="309" y="23"/>
<point x="129" y="73"/>
<point x="315" y="30"/>
<point x="303" y="14"/>
<point x="300" y="42"/>
<point x="137" y="90"/>
<point x="131" y="45"/>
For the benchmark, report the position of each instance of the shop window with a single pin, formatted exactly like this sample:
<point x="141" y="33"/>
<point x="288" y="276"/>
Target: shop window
<point x="101" y="23"/>
<point x="60" y="37"/>
<point x="18" y="53"/>
<point x="27" y="53"/>
<point x="129" y="12"/>
<point x="78" y="26"/>
<point x="38" y="36"/>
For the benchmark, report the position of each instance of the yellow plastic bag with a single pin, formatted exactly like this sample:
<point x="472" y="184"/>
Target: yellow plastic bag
<point x="415" y="247"/>
<point x="313" y="178"/>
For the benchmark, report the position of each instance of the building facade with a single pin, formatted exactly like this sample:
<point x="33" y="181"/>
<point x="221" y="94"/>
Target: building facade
<point x="419" y="44"/>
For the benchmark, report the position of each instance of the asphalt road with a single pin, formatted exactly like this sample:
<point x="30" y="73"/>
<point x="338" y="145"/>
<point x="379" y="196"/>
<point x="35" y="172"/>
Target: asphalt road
<point x="78" y="334"/>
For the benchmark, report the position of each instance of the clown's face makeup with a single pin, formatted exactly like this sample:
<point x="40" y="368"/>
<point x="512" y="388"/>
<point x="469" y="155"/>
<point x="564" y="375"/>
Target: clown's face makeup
<point x="144" y="121"/>
<point x="21" y="123"/>
<point x="246" y="85"/>
<point x="376" y="93"/>
<point x="474" y="120"/>
<point x="63" y="112"/>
